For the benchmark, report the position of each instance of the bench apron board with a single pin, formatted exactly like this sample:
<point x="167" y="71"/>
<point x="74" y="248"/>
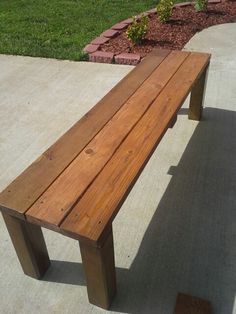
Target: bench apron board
<point x="79" y="184"/>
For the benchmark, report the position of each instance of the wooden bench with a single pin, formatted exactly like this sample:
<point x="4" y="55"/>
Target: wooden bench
<point x="79" y="184"/>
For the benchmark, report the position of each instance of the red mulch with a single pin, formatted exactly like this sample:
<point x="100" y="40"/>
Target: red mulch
<point x="184" y="23"/>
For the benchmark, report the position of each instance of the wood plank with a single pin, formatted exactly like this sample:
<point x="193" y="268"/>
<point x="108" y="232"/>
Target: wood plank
<point x="29" y="245"/>
<point x="187" y="304"/>
<point x="57" y="201"/>
<point x="27" y="187"/>
<point x="102" y="200"/>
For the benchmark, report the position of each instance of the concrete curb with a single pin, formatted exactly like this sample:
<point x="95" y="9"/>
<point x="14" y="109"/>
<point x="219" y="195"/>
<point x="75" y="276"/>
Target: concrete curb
<point x="96" y="55"/>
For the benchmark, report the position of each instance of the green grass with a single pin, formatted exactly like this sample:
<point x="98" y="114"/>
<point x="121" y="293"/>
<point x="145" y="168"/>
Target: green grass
<point x="60" y="28"/>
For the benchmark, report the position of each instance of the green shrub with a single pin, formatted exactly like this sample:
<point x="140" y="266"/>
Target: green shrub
<point x="201" y="5"/>
<point x="138" y="29"/>
<point x="164" y="10"/>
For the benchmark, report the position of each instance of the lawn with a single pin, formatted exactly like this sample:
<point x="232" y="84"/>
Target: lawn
<point x="59" y="28"/>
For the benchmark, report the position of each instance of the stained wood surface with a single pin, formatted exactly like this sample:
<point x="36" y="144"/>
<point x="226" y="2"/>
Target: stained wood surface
<point x="99" y="266"/>
<point x="19" y="196"/>
<point x="101" y="202"/>
<point x="186" y="304"/>
<point x="54" y="205"/>
<point x="197" y="98"/>
<point x="29" y="245"/>
<point x="78" y="185"/>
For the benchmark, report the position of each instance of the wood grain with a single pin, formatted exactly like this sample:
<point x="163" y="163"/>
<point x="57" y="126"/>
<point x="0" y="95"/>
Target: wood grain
<point x="27" y="187"/>
<point x="102" y="200"/>
<point x="197" y="97"/>
<point x="57" y="201"/>
<point x="99" y="266"/>
<point x="29" y="245"/>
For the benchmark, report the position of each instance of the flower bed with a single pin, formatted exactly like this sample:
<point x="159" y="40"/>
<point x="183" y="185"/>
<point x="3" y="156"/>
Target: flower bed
<point x="184" y="23"/>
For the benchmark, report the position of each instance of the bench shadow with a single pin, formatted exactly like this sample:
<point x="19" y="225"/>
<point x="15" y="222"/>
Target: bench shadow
<point x="190" y="243"/>
<point x="65" y="272"/>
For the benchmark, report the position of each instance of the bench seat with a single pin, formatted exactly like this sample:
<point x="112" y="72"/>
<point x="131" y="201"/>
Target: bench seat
<point x="79" y="184"/>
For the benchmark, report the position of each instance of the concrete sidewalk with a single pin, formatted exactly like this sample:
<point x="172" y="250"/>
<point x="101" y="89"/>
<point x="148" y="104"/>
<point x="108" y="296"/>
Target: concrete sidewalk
<point x="182" y="237"/>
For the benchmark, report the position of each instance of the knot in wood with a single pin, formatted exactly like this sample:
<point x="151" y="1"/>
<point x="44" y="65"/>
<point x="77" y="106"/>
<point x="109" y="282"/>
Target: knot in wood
<point x="89" y="151"/>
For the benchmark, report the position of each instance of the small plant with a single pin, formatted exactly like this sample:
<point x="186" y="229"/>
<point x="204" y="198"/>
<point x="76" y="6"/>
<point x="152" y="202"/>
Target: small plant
<point x="138" y="29"/>
<point x="201" y="5"/>
<point x="164" y="10"/>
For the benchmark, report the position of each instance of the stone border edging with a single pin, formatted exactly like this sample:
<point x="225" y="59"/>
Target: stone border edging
<point x="96" y="55"/>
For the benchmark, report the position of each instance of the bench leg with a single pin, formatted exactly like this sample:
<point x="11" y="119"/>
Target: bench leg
<point x="99" y="266"/>
<point x="29" y="244"/>
<point x="197" y="97"/>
